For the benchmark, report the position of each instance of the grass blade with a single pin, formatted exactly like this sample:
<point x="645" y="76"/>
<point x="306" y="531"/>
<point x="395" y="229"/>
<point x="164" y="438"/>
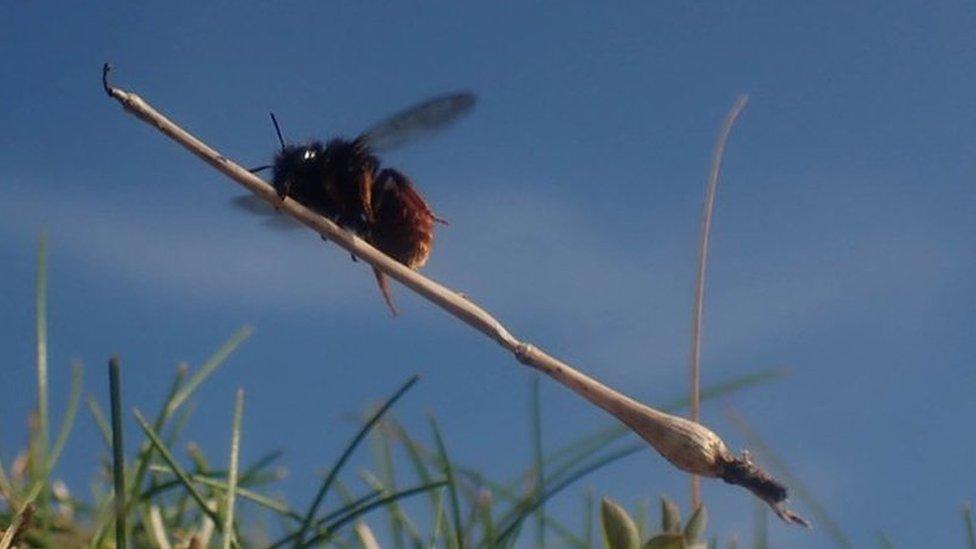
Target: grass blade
<point x="540" y="473"/>
<point x="235" y="448"/>
<point x="100" y="421"/>
<point x="260" y="499"/>
<point x="6" y="488"/>
<point x="253" y="473"/>
<point x="118" y="451"/>
<point x="348" y="508"/>
<point x="967" y="519"/>
<point x="40" y="439"/>
<point x="156" y="528"/>
<point x="415" y="453"/>
<point x="320" y="495"/>
<point x="367" y="540"/>
<point x="143" y="456"/>
<point x="399" y="521"/>
<point x="760" y="525"/>
<point x="339" y="523"/>
<point x="803" y="493"/>
<point x="483" y="506"/>
<point x="641" y="518"/>
<point x="20" y="521"/>
<point x="177" y="470"/>
<point x="417" y="450"/>
<point x="383" y="457"/>
<point x="451" y="484"/>
<point x="588" y="518"/>
<point x="67" y="423"/>
<point x="146" y="448"/>
<point x="516" y="517"/>
<point x="208" y="368"/>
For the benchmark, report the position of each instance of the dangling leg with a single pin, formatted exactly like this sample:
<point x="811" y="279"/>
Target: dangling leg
<point x="384" y="285"/>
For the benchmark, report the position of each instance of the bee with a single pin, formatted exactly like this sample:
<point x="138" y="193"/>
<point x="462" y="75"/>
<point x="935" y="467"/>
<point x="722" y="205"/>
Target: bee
<point x="343" y="180"/>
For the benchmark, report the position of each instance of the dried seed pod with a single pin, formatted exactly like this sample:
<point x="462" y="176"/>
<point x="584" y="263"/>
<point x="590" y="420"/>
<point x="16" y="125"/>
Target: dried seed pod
<point x="689" y="446"/>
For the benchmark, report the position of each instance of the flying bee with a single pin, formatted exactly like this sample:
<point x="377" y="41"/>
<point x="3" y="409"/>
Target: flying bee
<point x="342" y="180"/>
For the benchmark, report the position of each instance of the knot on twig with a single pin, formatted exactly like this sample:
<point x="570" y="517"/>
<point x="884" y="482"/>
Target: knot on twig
<point x="742" y="471"/>
<point x="523" y="352"/>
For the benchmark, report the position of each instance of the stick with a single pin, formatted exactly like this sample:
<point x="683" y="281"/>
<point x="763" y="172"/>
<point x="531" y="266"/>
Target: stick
<point x="687" y="445"/>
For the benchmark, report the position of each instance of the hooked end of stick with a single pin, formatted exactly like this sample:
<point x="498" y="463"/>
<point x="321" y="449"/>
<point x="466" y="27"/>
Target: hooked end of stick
<point x="105" y="85"/>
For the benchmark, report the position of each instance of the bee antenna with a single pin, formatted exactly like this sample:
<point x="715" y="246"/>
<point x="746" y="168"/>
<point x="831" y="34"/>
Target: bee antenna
<point x="260" y="169"/>
<point x="278" y="131"/>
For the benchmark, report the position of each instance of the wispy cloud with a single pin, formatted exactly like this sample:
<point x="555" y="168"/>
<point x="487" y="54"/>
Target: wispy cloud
<point x="543" y="257"/>
<point x="215" y="255"/>
<point x="534" y="258"/>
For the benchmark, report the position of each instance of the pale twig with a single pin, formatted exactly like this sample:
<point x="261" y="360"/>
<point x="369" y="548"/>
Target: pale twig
<point x="696" y="313"/>
<point x="687" y="445"/>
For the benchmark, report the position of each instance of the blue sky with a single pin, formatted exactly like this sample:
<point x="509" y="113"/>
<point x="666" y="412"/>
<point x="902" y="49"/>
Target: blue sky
<point x="842" y="247"/>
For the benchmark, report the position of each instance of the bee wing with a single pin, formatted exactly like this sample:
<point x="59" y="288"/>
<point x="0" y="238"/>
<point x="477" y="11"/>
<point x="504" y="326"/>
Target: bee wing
<point x="252" y="204"/>
<point x="255" y="206"/>
<point x="419" y="121"/>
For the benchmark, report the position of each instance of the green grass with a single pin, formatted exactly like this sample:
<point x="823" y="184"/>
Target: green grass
<point x="169" y="498"/>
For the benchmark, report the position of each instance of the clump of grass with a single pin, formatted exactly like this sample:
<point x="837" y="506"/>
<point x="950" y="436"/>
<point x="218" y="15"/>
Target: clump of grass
<point x="621" y="531"/>
<point x="159" y="498"/>
<point x="156" y="498"/>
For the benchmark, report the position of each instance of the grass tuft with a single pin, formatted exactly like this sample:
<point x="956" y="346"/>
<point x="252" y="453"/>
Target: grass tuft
<point x="451" y="483"/>
<point x="324" y="488"/>
<point x="178" y="470"/>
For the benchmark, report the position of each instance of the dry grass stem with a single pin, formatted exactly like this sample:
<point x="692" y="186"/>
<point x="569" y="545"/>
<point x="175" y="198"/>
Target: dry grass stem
<point x="696" y="313"/>
<point x="687" y="445"/>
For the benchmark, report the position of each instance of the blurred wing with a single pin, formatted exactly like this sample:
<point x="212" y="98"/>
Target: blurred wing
<point x="419" y="121"/>
<point x="254" y="205"/>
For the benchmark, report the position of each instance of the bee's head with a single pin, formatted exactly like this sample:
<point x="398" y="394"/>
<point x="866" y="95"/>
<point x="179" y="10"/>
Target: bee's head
<point x="295" y="164"/>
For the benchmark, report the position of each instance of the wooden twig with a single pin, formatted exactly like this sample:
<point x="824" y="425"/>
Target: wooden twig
<point x="687" y="445"/>
<point x="696" y="313"/>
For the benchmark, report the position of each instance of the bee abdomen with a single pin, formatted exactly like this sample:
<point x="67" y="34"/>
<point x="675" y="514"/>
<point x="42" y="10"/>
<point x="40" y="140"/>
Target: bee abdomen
<point x="404" y="224"/>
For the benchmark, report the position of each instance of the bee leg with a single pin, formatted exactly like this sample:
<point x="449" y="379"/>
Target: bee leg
<point x="351" y="255"/>
<point x="384" y="285"/>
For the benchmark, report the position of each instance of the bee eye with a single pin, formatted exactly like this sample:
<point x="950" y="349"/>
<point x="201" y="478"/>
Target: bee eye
<point x="309" y="154"/>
